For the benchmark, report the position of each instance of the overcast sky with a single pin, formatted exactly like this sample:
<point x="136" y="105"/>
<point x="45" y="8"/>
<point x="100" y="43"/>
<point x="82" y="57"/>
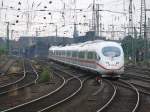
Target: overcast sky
<point x="61" y="13"/>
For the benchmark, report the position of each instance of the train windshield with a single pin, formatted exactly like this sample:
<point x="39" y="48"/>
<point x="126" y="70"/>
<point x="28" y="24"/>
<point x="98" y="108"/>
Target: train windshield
<point x="111" y="51"/>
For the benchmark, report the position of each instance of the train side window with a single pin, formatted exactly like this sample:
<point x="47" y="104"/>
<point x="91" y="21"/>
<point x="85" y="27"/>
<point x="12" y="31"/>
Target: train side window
<point x="56" y="53"/>
<point x="59" y="53"/>
<point x="68" y="53"/>
<point x="63" y="53"/>
<point x="52" y="52"/>
<point x="74" y="54"/>
<point x="71" y="53"/>
<point x="81" y="54"/>
<point x="90" y="55"/>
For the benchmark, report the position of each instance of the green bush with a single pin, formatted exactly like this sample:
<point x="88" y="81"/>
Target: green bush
<point x="46" y="75"/>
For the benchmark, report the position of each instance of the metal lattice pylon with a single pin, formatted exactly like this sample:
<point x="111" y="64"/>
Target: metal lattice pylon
<point x="93" y="17"/>
<point x="142" y="19"/>
<point x="130" y="30"/>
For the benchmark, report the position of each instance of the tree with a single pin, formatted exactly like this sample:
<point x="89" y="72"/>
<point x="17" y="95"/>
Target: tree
<point x="138" y="45"/>
<point x="2" y="50"/>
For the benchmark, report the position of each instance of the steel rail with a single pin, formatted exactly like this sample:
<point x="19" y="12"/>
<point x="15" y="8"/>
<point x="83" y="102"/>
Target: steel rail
<point x="67" y="98"/>
<point x="111" y="99"/>
<point x="21" y="105"/>
<point x="24" y="74"/>
<point x="26" y="85"/>
<point x="137" y="93"/>
<point x="142" y="91"/>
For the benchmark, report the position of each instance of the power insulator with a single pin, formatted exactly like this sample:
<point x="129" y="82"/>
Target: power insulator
<point x="17" y="21"/>
<point x="50" y="2"/>
<point x="19" y="3"/>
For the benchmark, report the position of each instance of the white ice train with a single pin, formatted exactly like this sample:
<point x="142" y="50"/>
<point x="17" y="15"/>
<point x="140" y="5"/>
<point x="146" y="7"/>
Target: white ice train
<point x="104" y="57"/>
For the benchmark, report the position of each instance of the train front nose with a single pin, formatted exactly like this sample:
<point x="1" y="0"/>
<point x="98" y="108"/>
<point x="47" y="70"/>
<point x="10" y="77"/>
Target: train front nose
<point x="114" y="67"/>
<point x="113" y="59"/>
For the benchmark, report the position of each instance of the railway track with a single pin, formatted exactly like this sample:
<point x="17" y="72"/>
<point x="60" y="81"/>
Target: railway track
<point x="144" y="97"/>
<point x="27" y="80"/>
<point x="10" y="78"/>
<point x="105" y="104"/>
<point x="117" y="92"/>
<point x="142" y="84"/>
<point x="126" y="98"/>
<point x="48" y="101"/>
<point x="133" y="102"/>
<point x="138" y="76"/>
<point x="6" y="66"/>
<point x="94" y="108"/>
<point x="142" y="89"/>
<point x="7" y="78"/>
<point x="5" y="88"/>
<point x="29" y="94"/>
<point x="3" y="62"/>
<point x="138" y="68"/>
<point x="141" y="75"/>
<point x="16" y="81"/>
<point x="71" y="86"/>
<point x="109" y="101"/>
<point x="138" y="71"/>
<point x="144" y="103"/>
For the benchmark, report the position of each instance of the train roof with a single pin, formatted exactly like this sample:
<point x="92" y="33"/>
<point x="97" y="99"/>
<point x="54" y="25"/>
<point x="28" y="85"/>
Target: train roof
<point x="88" y="46"/>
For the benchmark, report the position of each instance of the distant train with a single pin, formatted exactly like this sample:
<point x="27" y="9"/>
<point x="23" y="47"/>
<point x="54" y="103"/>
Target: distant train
<point x="104" y="57"/>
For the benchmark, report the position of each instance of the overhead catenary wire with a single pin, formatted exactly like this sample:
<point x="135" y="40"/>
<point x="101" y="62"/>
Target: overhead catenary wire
<point x="37" y="9"/>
